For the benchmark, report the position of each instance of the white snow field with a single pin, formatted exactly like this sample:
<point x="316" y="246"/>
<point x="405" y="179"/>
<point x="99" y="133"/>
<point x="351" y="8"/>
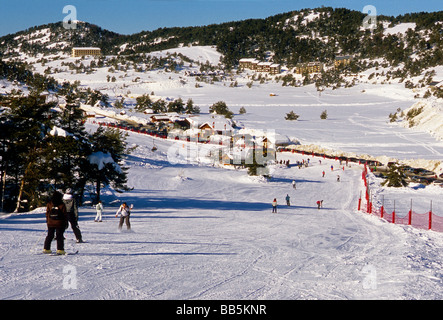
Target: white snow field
<point x="203" y="232"/>
<point x="206" y="232"/>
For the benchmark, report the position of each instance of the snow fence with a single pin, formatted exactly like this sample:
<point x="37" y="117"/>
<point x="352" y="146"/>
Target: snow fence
<point x="398" y="212"/>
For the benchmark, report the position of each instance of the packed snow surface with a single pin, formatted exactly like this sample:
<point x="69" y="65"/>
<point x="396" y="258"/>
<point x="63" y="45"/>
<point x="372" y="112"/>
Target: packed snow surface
<point x="204" y="232"/>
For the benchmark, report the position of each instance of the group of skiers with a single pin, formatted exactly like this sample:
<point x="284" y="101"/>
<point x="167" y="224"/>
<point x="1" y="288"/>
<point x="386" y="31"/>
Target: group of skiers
<point x="294" y="186"/>
<point x="288" y="201"/>
<point x="62" y="210"/>
<point x="306" y="164"/>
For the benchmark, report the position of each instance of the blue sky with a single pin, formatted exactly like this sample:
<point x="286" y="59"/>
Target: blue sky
<point x="131" y="16"/>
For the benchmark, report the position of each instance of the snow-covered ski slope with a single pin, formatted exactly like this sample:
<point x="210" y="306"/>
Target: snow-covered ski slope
<point x="203" y="232"/>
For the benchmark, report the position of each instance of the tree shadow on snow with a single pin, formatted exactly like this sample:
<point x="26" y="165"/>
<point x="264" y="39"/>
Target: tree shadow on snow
<point x="158" y="202"/>
<point x="297" y="180"/>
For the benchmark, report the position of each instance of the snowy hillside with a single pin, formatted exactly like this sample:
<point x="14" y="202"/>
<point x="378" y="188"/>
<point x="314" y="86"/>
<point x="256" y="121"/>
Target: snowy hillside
<point x="363" y="108"/>
<point x="202" y="230"/>
<point x="430" y="117"/>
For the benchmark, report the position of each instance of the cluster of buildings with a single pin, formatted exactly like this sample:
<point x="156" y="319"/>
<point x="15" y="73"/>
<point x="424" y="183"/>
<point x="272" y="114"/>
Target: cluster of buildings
<point x="301" y="68"/>
<point x="317" y="67"/>
<point x="232" y="143"/>
<point x="309" y="67"/>
<point x="343" y="60"/>
<point x="259" y="66"/>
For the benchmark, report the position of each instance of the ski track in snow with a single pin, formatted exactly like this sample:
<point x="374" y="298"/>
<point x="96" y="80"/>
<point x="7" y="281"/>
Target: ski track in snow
<point x="407" y="137"/>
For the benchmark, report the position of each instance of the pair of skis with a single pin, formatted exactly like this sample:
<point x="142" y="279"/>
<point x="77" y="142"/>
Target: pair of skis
<point x="55" y="254"/>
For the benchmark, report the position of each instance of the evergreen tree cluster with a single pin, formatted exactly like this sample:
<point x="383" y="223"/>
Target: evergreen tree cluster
<point x="45" y="147"/>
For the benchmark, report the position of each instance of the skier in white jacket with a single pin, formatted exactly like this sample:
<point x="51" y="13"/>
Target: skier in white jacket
<point x="99" y="209"/>
<point x="125" y="212"/>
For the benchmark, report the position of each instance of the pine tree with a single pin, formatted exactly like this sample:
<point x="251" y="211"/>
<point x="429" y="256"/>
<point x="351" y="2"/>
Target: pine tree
<point x="292" y="116"/>
<point x="190" y="108"/>
<point x="395" y="177"/>
<point x="324" y="115"/>
<point x="176" y="106"/>
<point x="31" y="120"/>
<point x="144" y="102"/>
<point x="111" y="141"/>
<point x="220" y="107"/>
<point x="67" y="153"/>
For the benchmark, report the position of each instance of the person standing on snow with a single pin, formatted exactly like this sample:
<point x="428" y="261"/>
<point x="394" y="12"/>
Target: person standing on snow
<point x="294" y="185"/>
<point x="57" y="222"/>
<point x="274" y="206"/>
<point x="72" y="210"/>
<point x="99" y="209"/>
<point x="288" y="200"/>
<point x="125" y="212"/>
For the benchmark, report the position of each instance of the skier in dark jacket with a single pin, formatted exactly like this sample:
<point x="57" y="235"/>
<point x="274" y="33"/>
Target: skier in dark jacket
<point x="72" y="210"/>
<point x="57" y="222"/>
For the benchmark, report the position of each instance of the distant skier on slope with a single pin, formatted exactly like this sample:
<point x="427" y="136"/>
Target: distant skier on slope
<point x="99" y="210"/>
<point x="274" y="206"/>
<point x="288" y="200"/>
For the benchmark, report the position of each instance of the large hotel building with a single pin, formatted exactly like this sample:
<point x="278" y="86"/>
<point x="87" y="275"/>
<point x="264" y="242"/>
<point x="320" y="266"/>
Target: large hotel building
<point x="80" y="52"/>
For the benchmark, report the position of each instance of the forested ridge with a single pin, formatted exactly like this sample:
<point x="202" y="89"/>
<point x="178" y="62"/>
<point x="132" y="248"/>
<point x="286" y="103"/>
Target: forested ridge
<point x="292" y="37"/>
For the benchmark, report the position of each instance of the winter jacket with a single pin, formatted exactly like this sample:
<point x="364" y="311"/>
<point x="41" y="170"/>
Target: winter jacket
<point x="56" y="223"/>
<point x="125" y="211"/>
<point x="99" y="207"/>
<point x="71" y="207"/>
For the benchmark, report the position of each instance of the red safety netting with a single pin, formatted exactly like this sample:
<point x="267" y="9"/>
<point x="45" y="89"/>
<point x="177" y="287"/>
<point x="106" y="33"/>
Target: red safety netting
<point x="421" y="220"/>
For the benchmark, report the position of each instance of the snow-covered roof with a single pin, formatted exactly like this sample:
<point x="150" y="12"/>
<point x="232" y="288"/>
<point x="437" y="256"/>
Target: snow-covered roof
<point x="216" y="122"/>
<point x="218" y="125"/>
<point x="248" y="60"/>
